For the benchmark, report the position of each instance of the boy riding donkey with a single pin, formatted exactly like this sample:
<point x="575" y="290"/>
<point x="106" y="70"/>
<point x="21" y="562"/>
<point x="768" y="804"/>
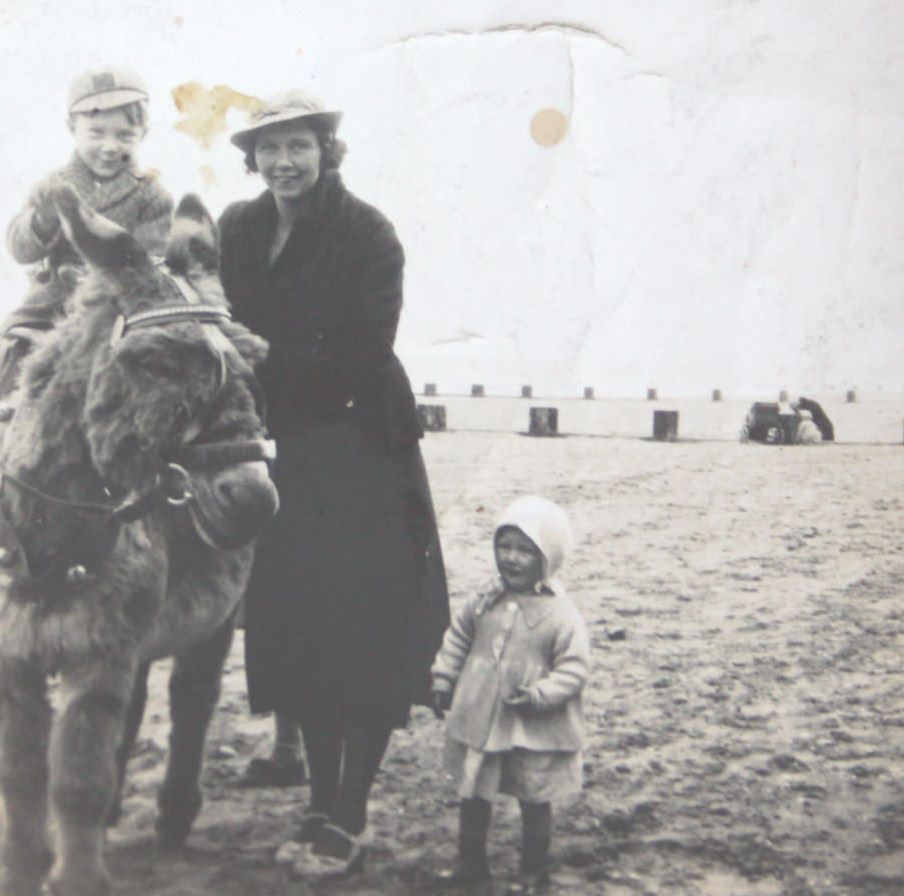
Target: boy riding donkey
<point x="108" y="119"/>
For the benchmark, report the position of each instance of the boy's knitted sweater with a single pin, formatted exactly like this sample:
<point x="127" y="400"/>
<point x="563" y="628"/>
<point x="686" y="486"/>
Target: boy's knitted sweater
<point x="134" y="200"/>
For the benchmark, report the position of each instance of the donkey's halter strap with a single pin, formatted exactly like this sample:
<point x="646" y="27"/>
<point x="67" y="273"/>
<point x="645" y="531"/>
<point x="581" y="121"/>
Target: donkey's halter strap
<point x="168" y="314"/>
<point x="223" y="454"/>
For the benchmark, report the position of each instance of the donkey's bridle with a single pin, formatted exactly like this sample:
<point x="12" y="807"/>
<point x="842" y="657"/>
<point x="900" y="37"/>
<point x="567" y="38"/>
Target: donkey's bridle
<point x="174" y="479"/>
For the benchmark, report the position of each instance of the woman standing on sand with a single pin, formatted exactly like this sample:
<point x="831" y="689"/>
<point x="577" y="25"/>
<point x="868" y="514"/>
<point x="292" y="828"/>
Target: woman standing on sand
<point x="347" y="602"/>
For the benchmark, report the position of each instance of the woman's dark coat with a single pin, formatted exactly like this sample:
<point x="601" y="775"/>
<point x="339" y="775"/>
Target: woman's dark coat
<point x="347" y="603"/>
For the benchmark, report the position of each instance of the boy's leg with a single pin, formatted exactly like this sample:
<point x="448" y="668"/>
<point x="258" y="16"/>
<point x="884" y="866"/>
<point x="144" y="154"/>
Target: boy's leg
<point x="42" y="307"/>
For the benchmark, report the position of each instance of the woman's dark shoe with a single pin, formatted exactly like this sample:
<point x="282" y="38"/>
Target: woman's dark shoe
<point x="334" y="853"/>
<point x="268" y="773"/>
<point x="312" y="825"/>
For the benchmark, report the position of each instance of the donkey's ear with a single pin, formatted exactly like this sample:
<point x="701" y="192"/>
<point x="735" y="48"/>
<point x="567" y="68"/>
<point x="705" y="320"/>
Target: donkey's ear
<point x="193" y="239"/>
<point x="193" y="208"/>
<point x="98" y="240"/>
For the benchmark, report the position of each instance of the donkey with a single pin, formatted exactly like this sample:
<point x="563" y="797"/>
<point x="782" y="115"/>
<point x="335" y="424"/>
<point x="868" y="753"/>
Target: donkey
<point x="133" y="481"/>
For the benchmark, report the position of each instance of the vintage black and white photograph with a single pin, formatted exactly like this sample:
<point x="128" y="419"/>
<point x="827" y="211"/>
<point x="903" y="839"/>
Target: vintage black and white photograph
<point x="452" y="448"/>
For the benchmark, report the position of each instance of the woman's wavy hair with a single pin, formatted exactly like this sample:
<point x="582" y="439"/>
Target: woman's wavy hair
<point x="332" y="149"/>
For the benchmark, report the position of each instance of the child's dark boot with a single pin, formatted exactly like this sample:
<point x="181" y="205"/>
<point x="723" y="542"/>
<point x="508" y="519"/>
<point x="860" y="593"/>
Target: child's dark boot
<point x="471" y="872"/>
<point x="535" y="841"/>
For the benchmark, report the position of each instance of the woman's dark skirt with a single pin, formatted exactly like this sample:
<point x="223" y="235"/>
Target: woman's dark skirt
<point x="347" y="602"/>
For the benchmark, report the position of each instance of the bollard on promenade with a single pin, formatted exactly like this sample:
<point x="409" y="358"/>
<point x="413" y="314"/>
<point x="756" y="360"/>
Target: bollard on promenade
<point x="527" y="392"/>
<point x="652" y="395"/>
<point x="717" y="394"/>
<point x="588" y="393"/>
<point x="851" y="396"/>
<point x="544" y="421"/>
<point x="665" y="426"/>
<point x="429" y="388"/>
<point x="477" y="390"/>
<point x="433" y="417"/>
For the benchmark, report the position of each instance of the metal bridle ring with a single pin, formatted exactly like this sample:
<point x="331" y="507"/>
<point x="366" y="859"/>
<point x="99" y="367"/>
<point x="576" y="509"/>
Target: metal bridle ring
<point x="184" y="495"/>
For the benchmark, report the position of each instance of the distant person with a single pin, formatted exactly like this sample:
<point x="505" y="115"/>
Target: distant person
<point x="108" y="119"/>
<point x="820" y="418"/>
<point x="807" y="431"/>
<point x="510" y="674"/>
<point x="347" y="601"/>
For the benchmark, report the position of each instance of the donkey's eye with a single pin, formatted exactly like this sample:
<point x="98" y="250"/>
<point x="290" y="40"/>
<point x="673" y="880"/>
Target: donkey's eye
<point x="160" y="367"/>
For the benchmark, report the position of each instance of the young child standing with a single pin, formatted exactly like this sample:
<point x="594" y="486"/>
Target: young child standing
<point x="510" y="673"/>
<point x="108" y="119"/>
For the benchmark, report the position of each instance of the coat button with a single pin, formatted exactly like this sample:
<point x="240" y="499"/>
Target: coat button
<point x="350" y="403"/>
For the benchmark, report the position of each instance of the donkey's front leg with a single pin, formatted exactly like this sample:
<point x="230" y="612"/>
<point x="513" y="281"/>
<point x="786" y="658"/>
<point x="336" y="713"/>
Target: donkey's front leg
<point x="194" y="689"/>
<point x="83" y="744"/>
<point x="24" y="733"/>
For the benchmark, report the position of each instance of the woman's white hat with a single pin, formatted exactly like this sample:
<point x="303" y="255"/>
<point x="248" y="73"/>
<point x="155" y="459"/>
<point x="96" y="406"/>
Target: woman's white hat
<point x="294" y="105"/>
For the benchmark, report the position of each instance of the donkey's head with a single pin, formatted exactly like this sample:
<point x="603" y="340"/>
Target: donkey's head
<point x="171" y="399"/>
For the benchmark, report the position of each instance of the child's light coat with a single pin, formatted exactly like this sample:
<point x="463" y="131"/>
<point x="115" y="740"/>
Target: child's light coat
<point x="499" y="642"/>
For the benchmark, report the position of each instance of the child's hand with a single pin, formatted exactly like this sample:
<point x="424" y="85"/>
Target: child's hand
<point x="520" y="700"/>
<point x="441" y="700"/>
<point x="41" y="199"/>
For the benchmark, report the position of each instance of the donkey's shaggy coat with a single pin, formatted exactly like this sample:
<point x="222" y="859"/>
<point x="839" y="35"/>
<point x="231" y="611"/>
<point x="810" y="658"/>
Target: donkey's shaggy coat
<point x="94" y="597"/>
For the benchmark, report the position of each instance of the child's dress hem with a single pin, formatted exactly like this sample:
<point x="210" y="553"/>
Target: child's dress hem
<point x="536" y="776"/>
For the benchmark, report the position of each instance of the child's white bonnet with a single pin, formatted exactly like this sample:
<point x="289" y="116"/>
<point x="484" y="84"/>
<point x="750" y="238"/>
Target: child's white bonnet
<point x="546" y="525"/>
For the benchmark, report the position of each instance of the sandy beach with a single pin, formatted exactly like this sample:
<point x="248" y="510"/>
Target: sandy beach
<point x="746" y="710"/>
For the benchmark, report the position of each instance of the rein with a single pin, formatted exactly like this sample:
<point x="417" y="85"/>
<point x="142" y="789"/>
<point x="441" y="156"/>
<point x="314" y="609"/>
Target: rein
<point x="172" y="483"/>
